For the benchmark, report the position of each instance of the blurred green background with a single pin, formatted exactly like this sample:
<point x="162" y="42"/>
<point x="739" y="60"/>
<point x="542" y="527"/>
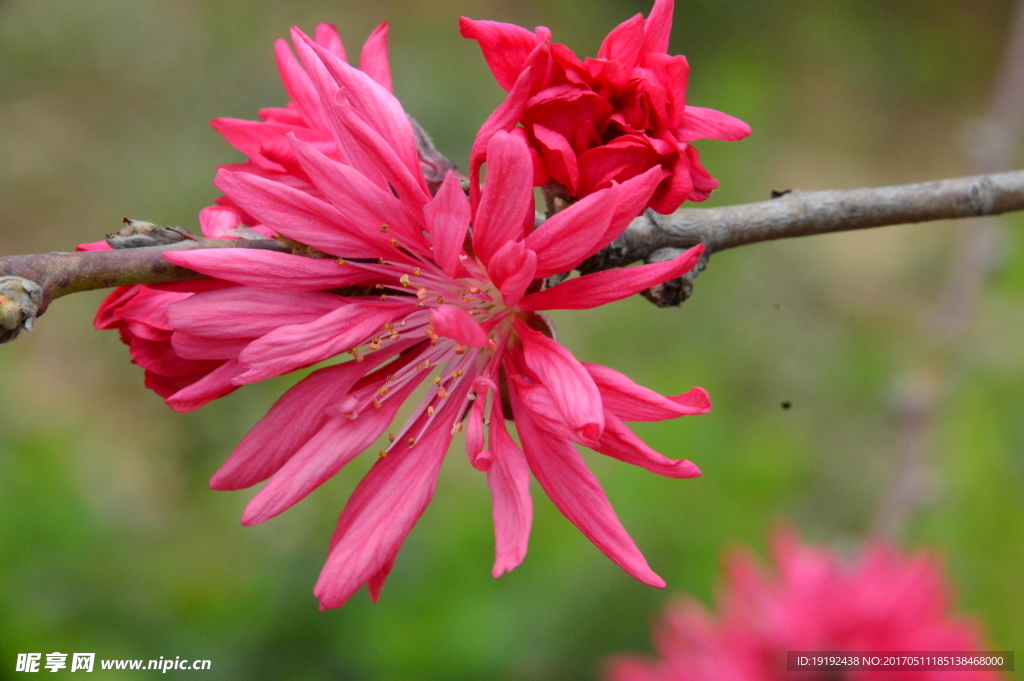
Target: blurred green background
<point x="111" y="542"/>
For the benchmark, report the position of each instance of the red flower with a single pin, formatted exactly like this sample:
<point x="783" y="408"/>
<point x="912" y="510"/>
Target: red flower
<point x="455" y="296"/>
<point x="601" y="120"/>
<point x="812" y="601"/>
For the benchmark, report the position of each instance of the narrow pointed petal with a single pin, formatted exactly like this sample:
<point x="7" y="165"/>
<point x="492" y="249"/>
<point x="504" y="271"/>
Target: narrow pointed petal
<point x="599" y="288"/>
<point x="509" y="481"/>
<point x="383" y="509"/>
<point x="632" y="402"/>
<point x="634" y="195"/>
<point x="159" y="356"/>
<point x="268" y="269"/>
<point x="327" y="36"/>
<point x="658" y="27"/>
<point x="505" y="47"/>
<point x="215" y="384"/>
<point x="291" y="422"/>
<point x="298" y="86"/>
<point x="298" y="345"/>
<point x="337" y="442"/>
<point x="502" y="119"/>
<point x="295" y="214"/>
<point x="563" y="241"/>
<point x="201" y="347"/>
<point x="453" y="322"/>
<point x="619" y="442"/>
<point x="624" y="42"/>
<point x="373" y="61"/>
<point x="566" y="479"/>
<point x="700" y="123"/>
<point x="106" y="316"/>
<point x="243" y="312"/>
<point x="507" y="196"/>
<point x="447" y="217"/>
<point x="479" y="458"/>
<point x="559" y="156"/>
<point x="566" y="379"/>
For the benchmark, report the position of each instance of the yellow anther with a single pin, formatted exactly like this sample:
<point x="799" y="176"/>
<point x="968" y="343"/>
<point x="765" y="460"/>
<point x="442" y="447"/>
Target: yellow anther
<point x="416" y="271"/>
<point x="442" y="393"/>
<point x="440" y="299"/>
<point x="430" y="410"/>
<point x="394" y="336"/>
<point x="404" y="280"/>
<point x="460" y="350"/>
<point x="389" y="326"/>
<point x="437" y="380"/>
<point x="384" y="297"/>
<point x="375" y="345"/>
<point x="381" y="261"/>
<point x="394" y="241"/>
<point x="467" y="299"/>
<point x="412" y="441"/>
<point x="457" y="429"/>
<point x="427" y="362"/>
<point x="384" y="229"/>
<point x="341" y="261"/>
<point x="391" y="377"/>
<point x="383" y="391"/>
<point x="382" y="453"/>
<point x="378" y="286"/>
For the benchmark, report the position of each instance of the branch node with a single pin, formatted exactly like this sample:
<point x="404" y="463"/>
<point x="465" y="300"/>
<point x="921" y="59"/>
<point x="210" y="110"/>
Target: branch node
<point x="141" y="234"/>
<point x="674" y="292"/>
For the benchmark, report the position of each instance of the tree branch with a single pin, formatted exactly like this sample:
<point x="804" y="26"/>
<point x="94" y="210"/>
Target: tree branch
<point x="28" y="283"/>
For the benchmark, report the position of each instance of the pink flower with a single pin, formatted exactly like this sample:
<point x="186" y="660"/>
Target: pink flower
<point x="812" y="601"/>
<point x="449" y="298"/>
<point x="601" y="120"/>
<point x="140" y="312"/>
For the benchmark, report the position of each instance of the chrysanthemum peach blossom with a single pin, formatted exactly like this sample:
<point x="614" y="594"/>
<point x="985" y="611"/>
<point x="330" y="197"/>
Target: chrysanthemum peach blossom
<point x="451" y="291"/>
<point x="812" y="600"/>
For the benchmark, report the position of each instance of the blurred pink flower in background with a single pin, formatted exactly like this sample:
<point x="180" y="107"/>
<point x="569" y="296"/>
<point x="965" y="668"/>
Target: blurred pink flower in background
<point x="811" y="601"/>
<point x="595" y="121"/>
<point x="442" y="298"/>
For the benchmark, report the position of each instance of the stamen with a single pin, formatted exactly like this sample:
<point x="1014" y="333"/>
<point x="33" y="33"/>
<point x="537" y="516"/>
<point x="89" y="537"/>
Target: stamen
<point x="440" y="299"/>
<point x="474" y="290"/>
<point x="460" y="350"/>
<point x="383" y="391"/>
<point x="430" y="410"/>
<point x="412" y="441"/>
<point x="384" y="296"/>
<point x="391" y="437"/>
<point x="421" y="293"/>
<point x="404" y="280"/>
<point x="457" y="429"/>
<point x="394" y="242"/>
<point x="442" y="393"/>
<point x="416" y="270"/>
<point x="341" y="261"/>
<point x="437" y="380"/>
<point x="382" y="454"/>
<point x="379" y="286"/>
<point x="384" y="229"/>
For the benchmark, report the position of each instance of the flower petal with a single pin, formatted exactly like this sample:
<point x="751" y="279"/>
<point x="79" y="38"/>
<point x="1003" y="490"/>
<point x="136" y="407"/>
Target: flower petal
<point x="562" y="473"/>
<point x="299" y="87"/>
<point x="700" y="123"/>
<point x="269" y="269"/>
<point x="559" y="157"/>
<point x="624" y="42"/>
<point x="563" y="241"/>
<point x="215" y="384"/>
<point x="298" y="345"/>
<point x="447" y="217"/>
<point x="619" y="442"/>
<point x="455" y="323"/>
<point x="292" y="421"/>
<point x="373" y="61"/>
<point x="243" y="312"/>
<point x="658" y="27"/>
<point x="632" y="402"/>
<point x="509" y="481"/>
<point x="507" y="197"/>
<point x="505" y="47"/>
<point x="383" y="509"/>
<point x="328" y="37"/>
<point x="566" y="379"/>
<point x="599" y="288"/>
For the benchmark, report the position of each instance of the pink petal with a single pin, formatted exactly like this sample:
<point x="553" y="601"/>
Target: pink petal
<point x="362" y="202"/>
<point x="512" y="269"/>
<point x="291" y="422"/>
<point x="479" y="458"/>
<point x="383" y="508"/>
<point x="634" y="195"/>
<point x="268" y="269"/>
<point x="374" y="59"/>
<point x="250" y="136"/>
<point x="296" y="214"/>
<point x="673" y="74"/>
<point x="106" y="315"/>
<point x="504" y="118"/>
<point x="327" y="36"/>
<point x="201" y="347"/>
<point x="160" y="357"/>
<point x="563" y="241"/>
<point x="149" y="307"/>
<point x="624" y="42"/>
<point x="337" y="442"/>
<point x="455" y="323"/>
<point x="562" y="473"/>
<point x="94" y="246"/>
<point x="703" y="183"/>
<point x="381" y="111"/>
<point x="658" y="27"/>
<point x="505" y="47"/>
<point x="507" y="197"/>
<point x="699" y="123"/>
<point x="619" y="442"/>
<point x="298" y="345"/>
<point x="447" y="217"/>
<point x="566" y="379"/>
<point x="599" y="288"/>
<point x="243" y="312"/>
<point x="217" y="221"/>
<point x="299" y="87"/>
<point x="215" y="384"/>
<point x="509" y="481"/>
<point x="676" y="189"/>
<point x="632" y="402"/>
<point x="559" y="157"/>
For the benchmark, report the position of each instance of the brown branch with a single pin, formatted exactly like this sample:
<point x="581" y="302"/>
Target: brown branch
<point x="651" y="237"/>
